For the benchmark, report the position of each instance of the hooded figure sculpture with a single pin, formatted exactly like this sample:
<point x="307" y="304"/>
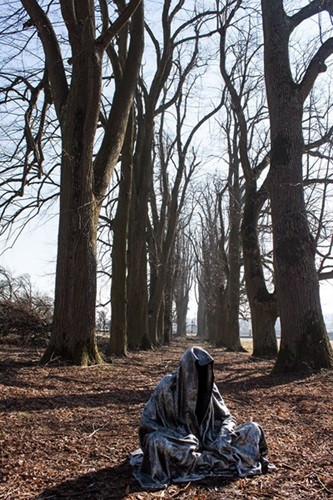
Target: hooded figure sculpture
<point x="187" y="433"/>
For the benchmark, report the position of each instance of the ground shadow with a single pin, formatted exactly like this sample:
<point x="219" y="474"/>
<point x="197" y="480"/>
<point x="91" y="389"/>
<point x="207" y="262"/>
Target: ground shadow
<point x="250" y="378"/>
<point x="116" y="483"/>
<point x="119" y="397"/>
<point x="108" y="483"/>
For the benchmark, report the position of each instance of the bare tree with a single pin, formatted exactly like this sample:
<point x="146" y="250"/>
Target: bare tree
<point x="213" y="270"/>
<point x="118" y="326"/>
<point x="229" y="332"/>
<point x="318" y="176"/>
<point x="185" y="162"/>
<point x="83" y="34"/>
<point x="24" y="313"/>
<point x="179" y="33"/>
<point x="246" y="92"/>
<point x="183" y="263"/>
<point x="304" y="341"/>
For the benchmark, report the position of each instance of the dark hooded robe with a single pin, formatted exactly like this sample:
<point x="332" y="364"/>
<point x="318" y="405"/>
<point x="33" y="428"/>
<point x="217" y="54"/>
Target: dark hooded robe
<point x="187" y="433"/>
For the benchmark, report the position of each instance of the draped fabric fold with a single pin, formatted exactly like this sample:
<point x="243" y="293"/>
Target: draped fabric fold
<point x="187" y="433"/>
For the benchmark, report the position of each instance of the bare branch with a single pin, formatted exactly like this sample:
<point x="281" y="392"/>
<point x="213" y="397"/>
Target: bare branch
<point x="105" y="39"/>
<point x="308" y="11"/>
<point x="325" y="275"/>
<point x="52" y="51"/>
<point x="317" y="65"/>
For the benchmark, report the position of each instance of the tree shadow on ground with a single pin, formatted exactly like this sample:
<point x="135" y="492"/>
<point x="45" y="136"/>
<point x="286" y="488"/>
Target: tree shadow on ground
<point x="117" y="483"/>
<point x="251" y="378"/>
<point x="120" y="397"/>
<point x="108" y="483"/>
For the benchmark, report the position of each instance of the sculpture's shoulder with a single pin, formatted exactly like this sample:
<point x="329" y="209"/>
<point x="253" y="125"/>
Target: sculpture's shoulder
<point x="167" y="383"/>
<point x="161" y="401"/>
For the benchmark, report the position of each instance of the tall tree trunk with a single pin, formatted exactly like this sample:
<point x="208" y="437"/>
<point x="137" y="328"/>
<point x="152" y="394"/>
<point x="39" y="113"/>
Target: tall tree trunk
<point x="211" y="325"/>
<point x="118" y="327"/>
<point x="137" y="311"/>
<point x="160" y="322"/>
<point x="73" y="333"/>
<point x="155" y="298"/>
<point x="304" y="340"/>
<point x="168" y="293"/>
<point x="157" y="291"/>
<point x="263" y="305"/>
<point x="229" y="335"/>
<point x="222" y="318"/>
<point x="181" y="310"/>
<point x="167" y="248"/>
<point x="137" y="293"/>
<point x="233" y="288"/>
<point x="201" y="314"/>
<point x="84" y="182"/>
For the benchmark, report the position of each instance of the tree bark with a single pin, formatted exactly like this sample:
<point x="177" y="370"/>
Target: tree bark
<point x="137" y="294"/>
<point x="156" y="295"/>
<point x="181" y="310"/>
<point x="73" y="333"/>
<point x="261" y="302"/>
<point x="304" y="340"/>
<point x="201" y="314"/>
<point x="229" y="334"/>
<point x="168" y="294"/>
<point x="263" y="305"/>
<point x="83" y="181"/>
<point x="118" y="326"/>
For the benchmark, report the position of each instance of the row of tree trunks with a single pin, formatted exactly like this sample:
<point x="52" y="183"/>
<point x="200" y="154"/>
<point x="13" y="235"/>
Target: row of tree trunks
<point x="84" y="183"/>
<point x="138" y="313"/>
<point x="158" y="234"/>
<point x="182" y="281"/>
<point x="138" y="336"/>
<point x="229" y="332"/>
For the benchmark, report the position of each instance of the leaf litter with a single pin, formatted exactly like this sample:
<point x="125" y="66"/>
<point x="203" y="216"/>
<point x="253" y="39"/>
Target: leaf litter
<point x="66" y="431"/>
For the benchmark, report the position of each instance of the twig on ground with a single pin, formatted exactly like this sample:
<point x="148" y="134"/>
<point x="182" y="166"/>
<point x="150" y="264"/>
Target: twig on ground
<point x="96" y="430"/>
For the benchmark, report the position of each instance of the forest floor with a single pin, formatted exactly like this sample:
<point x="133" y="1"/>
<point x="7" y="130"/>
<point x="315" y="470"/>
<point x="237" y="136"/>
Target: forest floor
<point x="66" y="432"/>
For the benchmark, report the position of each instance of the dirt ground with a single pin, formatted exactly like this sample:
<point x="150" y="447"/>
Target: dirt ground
<point x="66" y="432"/>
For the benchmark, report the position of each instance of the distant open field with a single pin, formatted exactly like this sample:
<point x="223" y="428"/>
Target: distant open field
<point x="248" y="344"/>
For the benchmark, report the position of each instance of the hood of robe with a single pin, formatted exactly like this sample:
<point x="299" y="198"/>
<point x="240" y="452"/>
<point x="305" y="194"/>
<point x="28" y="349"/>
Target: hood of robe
<point x="195" y="379"/>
